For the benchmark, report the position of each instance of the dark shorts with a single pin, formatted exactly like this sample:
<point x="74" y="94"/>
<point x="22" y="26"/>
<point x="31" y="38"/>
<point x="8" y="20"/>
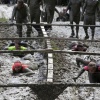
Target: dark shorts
<point x="75" y="19"/>
<point x="35" y="15"/>
<point x="94" y="78"/>
<point x="89" y="20"/>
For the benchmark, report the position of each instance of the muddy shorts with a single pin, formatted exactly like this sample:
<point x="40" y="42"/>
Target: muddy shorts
<point x="75" y="19"/>
<point x="94" y="78"/>
<point x="89" y="20"/>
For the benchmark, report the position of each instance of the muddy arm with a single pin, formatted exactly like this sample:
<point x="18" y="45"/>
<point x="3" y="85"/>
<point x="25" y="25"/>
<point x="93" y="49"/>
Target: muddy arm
<point x="68" y="7"/>
<point x="13" y="13"/>
<point x="28" y="14"/>
<point x="28" y="72"/>
<point x="80" y="73"/>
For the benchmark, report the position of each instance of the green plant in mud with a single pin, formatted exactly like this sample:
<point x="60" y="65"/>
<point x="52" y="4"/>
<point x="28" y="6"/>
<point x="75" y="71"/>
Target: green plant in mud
<point x="3" y="18"/>
<point x="54" y="45"/>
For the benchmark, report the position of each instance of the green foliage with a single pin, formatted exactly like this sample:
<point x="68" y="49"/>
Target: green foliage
<point x="3" y="19"/>
<point x="54" y="46"/>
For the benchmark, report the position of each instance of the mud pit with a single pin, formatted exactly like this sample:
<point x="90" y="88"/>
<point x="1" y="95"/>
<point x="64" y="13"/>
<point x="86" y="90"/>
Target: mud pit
<point x="63" y="73"/>
<point x="6" y="61"/>
<point x="66" y="67"/>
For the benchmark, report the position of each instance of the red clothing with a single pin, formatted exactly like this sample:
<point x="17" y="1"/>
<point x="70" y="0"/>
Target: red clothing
<point x="18" y="64"/>
<point x="86" y="68"/>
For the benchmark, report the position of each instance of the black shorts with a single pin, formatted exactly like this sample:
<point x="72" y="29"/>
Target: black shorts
<point x="94" y="77"/>
<point x="74" y="18"/>
<point x="89" y="20"/>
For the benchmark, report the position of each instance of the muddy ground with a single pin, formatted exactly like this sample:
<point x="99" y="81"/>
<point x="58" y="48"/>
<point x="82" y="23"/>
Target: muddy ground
<point x="64" y="66"/>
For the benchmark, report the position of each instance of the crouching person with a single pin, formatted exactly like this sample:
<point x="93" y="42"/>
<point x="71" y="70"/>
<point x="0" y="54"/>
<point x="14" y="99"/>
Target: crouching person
<point x="19" y="67"/>
<point x="93" y="72"/>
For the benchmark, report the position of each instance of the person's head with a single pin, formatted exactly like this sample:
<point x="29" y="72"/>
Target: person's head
<point x="80" y="47"/>
<point x="17" y="66"/>
<point x="20" y="3"/>
<point x="92" y="67"/>
<point x="17" y="41"/>
<point x="17" y="44"/>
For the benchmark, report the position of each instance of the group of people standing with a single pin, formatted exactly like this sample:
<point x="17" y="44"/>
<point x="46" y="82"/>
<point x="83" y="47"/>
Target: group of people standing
<point x="89" y="10"/>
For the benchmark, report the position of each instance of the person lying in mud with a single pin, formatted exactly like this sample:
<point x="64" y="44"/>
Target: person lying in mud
<point x="17" y="46"/>
<point x="19" y="67"/>
<point x="93" y="72"/>
<point x="78" y="46"/>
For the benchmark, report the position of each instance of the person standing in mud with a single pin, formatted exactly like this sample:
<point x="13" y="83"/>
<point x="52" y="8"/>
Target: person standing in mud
<point x="89" y="12"/>
<point x="35" y="12"/>
<point x="49" y="6"/>
<point x="21" y="15"/>
<point x="74" y="13"/>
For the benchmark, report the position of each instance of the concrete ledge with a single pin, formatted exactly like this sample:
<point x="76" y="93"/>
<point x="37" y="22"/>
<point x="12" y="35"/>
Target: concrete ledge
<point x="50" y="58"/>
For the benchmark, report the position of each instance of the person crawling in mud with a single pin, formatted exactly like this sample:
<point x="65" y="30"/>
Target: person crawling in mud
<point x="19" y="67"/>
<point x="93" y="72"/>
<point x="78" y="46"/>
<point x="17" y="46"/>
<point x="80" y="61"/>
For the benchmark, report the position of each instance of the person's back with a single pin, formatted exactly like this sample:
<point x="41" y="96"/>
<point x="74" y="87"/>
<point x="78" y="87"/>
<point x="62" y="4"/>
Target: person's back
<point x="91" y="6"/>
<point x="17" y="46"/>
<point x="14" y="48"/>
<point x="50" y="3"/>
<point x="74" y="7"/>
<point x="35" y="4"/>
